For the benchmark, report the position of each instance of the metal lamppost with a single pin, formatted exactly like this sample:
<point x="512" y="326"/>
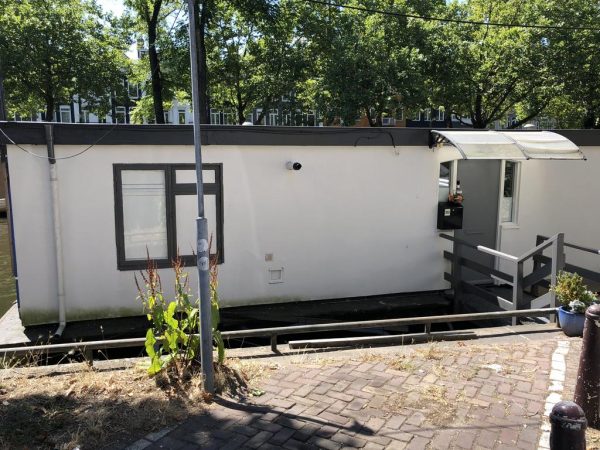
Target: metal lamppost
<point x="202" y="250"/>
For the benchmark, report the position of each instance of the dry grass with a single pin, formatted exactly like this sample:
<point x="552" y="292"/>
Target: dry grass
<point x="66" y="408"/>
<point x="592" y="437"/>
<point x="403" y="363"/>
<point x="432" y="351"/>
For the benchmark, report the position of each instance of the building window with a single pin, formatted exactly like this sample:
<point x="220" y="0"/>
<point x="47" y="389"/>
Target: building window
<point x="273" y="117"/>
<point x="85" y="116"/>
<point x="156" y="210"/>
<point x="510" y="191"/>
<point x="65" y="114"/>
<point x="133" y="89"/>
<point x="215" y="117"/>
<point x="120" y="116"/>
<point x="445" y="181"/>
<point x="181" y="117"/>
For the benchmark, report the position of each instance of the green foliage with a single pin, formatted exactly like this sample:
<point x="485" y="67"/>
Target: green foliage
<point x="572" y="293"/>
<point x="172" y="343"/>
<point x="52" y="50"/>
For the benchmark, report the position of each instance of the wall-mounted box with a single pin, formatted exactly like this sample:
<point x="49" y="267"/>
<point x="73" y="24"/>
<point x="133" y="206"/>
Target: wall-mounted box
<point x="450" y="216"/>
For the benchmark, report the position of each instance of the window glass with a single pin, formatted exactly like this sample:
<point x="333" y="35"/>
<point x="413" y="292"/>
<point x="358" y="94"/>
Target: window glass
<point x="65" y="114"/>
<point x="444" y="181"/>
<point x="120" y="114"/>
<point x="189" y="176"/>
<point x="181" y="116"/>
<point x="144" y="214"/>
<point x="508" y="195"/>
<point x="186" y="210"/>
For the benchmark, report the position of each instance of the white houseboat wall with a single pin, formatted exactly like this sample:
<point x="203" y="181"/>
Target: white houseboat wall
<point x="357" y="219"/>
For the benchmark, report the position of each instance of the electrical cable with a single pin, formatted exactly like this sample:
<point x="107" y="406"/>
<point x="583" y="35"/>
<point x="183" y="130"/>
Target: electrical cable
<point x="451" y="20"/>
<point x="97" y="141"/>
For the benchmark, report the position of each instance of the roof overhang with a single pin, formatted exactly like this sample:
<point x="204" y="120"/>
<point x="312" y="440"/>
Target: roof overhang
<point x="512" y="145"/>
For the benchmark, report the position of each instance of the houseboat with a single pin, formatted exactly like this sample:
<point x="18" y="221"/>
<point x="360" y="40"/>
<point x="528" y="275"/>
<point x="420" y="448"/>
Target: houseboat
<point x="295" y="214"/>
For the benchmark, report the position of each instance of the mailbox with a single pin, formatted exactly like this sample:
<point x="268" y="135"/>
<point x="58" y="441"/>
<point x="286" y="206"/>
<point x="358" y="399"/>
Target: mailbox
<point x="450" y="216"/>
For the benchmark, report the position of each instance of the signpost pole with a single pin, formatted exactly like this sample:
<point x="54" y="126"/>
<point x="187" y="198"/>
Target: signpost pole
<point x="203" y="252"/>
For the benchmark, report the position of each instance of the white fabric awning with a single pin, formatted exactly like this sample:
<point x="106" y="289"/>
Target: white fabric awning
<point x="512" y="145"/>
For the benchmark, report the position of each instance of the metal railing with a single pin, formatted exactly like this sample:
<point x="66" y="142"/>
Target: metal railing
<point x="87" y="348"/>
<point x="541" y="263"/>
<point x="515" y="276"/>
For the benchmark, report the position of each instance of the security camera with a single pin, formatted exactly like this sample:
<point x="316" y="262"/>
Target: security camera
<point x="293" y="165"/>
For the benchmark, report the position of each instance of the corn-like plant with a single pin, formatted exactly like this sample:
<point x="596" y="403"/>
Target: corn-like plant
<point x="172" y="341"/>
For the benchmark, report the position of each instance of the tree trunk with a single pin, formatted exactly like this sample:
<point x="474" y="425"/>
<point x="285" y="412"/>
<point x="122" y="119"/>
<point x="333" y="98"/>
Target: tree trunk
<point x="2" y="102"/>
<point x="448" y="117"/>
<point x="368" y="115"/>
<point x="479" y="122"/>
<point x="50" y="109"/>
<point x="201" y="14"/>
<point x="159" y="115"/>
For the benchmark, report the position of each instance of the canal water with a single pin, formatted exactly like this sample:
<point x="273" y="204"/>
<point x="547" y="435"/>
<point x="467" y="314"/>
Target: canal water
<point x="7" y="282"/>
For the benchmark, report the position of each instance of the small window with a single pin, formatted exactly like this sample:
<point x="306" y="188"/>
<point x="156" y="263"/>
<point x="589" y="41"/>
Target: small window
<point x="155" y="213"/>
<point x="444" y="181"/>
<point x="508" y="205"/>
<point x="133" y="90"/>
<point x="120" y="116"/>
<point x="65" y="114"/>
<point x="215" y="117"/>
<point x="181" y="117"/>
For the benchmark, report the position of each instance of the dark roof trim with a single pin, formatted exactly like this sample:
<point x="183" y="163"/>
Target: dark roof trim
<point x="86" y="134"/>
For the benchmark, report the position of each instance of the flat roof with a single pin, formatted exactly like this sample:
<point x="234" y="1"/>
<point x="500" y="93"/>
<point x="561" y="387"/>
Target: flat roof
<point x="121" y="134"/>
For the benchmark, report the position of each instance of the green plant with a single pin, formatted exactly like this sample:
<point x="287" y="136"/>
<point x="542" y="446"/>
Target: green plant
<point x="172" y="341"/>
<point x="214" y="309"/>
<point x="571" y="293"/>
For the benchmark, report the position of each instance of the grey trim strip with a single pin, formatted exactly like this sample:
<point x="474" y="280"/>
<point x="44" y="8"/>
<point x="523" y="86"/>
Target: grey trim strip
<point x="85" y="134"/>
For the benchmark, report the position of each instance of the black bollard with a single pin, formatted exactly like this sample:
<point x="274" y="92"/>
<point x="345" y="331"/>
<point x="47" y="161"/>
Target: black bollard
<point x="588" y="375"/>
<point x="568" y="427"/>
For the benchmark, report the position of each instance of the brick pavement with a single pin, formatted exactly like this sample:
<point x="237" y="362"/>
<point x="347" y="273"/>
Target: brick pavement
<point x="457" y="395"/>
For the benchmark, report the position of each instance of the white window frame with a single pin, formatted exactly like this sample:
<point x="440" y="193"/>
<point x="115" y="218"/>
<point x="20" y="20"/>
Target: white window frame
<point x="514" y="217"/>
<point x="65" y="109"/>
<point x="181" y="113"/>
<point x="120" y="112"/>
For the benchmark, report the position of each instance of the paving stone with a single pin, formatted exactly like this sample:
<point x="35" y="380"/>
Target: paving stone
<point x="282" y="436"/>
<point x="347" y="440"/>
<point x="259" y="439"/>
<point x="293" y="444"/>
<point x="327" y="444"/>
<point x="139" y="445"/>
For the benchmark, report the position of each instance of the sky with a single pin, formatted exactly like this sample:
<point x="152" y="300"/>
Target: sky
<point x="114" y="6"/>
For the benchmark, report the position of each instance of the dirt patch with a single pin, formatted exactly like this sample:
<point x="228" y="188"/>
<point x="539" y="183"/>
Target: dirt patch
<point x="63" y="408"/>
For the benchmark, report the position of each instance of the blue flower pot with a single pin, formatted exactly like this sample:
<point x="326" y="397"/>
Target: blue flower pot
<point x="571" y="323"/>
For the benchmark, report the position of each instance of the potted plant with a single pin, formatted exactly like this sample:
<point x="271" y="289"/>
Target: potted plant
<point x="574" y="298"/>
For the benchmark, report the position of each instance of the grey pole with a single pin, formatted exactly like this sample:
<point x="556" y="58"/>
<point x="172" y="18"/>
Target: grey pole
<point x="202" y="250"/>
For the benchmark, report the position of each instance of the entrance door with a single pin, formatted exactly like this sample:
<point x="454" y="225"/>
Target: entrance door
<point x="480" y="183"/>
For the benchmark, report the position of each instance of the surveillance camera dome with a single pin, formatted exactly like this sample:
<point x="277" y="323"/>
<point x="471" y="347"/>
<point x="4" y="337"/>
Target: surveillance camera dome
<point x="293" y="165"/>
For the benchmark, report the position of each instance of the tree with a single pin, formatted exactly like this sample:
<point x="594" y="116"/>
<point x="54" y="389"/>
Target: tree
<point x="52" y="50"/>
<point x="369" y="64"/>
<point x="256" y="59"/>
<point x="148" y="12"/>
<point x="484" y="72"/>
<point x="576" y="54"/>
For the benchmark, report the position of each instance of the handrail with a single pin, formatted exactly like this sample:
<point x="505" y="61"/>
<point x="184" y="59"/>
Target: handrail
<point x="537" y="249"/>
<point x="577" y="247"/>
<point x="491" y="251"/>
<point x="278" y="331"/>
<point x="460" y="241"/>
<point x="480" y="248"/>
